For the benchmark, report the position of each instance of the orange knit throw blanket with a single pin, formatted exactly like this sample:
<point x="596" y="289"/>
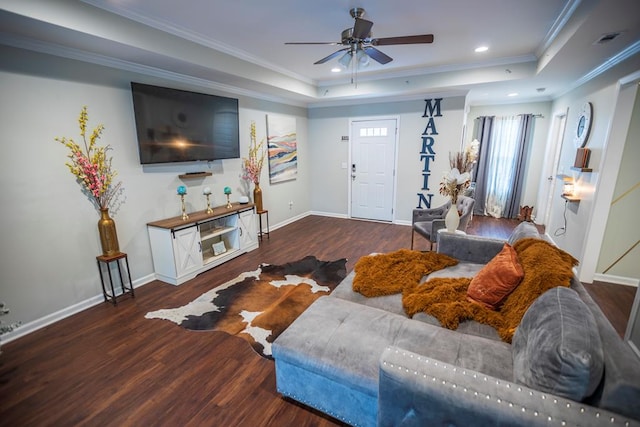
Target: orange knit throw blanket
<point x="387" y="274"/>
<point x="545" y="266"/>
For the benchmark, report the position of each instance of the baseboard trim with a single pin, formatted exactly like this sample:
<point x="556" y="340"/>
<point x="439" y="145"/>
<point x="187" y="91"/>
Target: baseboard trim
<point x="49" y="319"/>
<point x="289" y="221"/>
<point x="618" y="280"/>
<point x="345" y="216"/>
<point x="330" y="214"/>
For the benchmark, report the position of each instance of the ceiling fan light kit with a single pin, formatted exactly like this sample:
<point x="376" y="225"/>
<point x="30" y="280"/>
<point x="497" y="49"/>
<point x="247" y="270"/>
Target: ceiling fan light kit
<point x="345" y="60"/>
<point x="359" y="42"/>
<point x="363" y="58"/>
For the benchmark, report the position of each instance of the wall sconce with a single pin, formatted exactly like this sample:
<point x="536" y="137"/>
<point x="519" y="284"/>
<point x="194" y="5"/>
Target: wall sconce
<point x="568" y="188"/>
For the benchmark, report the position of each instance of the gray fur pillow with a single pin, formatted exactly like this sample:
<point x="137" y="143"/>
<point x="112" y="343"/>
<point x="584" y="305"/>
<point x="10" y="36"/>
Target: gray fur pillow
<point x="557" y="346"/>
<point x="522" y="230"/>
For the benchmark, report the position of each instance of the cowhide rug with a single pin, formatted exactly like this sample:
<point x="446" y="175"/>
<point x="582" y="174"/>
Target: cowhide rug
<point x="259" y="305"/>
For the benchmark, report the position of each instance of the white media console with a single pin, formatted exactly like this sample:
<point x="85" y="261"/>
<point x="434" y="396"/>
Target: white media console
<point x="182" y="249"/>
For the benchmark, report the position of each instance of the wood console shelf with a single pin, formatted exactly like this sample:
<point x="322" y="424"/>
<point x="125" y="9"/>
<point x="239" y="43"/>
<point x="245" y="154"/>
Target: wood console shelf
<point x="182" y="249"/>
<point x="194" y="175"/>
<point x="570" y="198"/>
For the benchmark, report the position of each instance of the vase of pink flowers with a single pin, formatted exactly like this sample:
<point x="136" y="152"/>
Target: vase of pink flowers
<point x="92" y="168"/>
<point x="108" y="234"/>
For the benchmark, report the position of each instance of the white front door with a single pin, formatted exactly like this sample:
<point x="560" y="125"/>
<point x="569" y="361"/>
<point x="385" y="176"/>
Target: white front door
<point x="373" y="150"/>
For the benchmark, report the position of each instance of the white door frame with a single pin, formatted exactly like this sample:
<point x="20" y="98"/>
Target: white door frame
<point x="395" y="165"/>
<point x="551" y="163"/>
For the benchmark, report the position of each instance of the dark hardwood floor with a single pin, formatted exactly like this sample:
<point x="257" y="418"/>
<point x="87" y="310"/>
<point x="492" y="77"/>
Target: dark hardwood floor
<point x="109" y="366"/>
<point x="615" y="301"/>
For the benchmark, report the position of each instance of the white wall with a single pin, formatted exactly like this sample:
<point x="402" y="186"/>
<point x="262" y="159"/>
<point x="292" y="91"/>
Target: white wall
<point x="586" y="220"/>
<point x="579" y="214"/>
<point x="49" y="228"/>
<point x="620" y="252"/>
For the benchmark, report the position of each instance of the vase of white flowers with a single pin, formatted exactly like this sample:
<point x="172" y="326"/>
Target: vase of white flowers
<point x="457" y="180"/>
<point x="452" y="185"/>
<point x="253" y="166"/>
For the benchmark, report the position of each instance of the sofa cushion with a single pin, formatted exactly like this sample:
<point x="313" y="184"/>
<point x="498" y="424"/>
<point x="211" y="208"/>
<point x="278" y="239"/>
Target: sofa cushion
<point x="497" y="279"/>
<point x="393" y="303"/>
<point x="523" y="230"/>
<point x="557" y="347"/>
<point x="343" y="340"/>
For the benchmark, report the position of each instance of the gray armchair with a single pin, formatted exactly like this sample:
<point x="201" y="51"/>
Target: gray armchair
<point x="427" y="222"/>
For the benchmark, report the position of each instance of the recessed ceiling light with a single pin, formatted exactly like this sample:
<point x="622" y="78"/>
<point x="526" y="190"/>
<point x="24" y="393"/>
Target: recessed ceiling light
<point x="482" y="49"/>
<point x="336" y="69"/>
<point x="513" y="94"/>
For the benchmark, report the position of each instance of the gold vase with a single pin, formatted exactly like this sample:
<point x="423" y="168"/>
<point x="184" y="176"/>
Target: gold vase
<point x="108" y="235"/>
<point x="257" y="197"/>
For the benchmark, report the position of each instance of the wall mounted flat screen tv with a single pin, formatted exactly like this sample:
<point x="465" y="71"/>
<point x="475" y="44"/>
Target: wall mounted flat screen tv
<point x="180" y="126"/>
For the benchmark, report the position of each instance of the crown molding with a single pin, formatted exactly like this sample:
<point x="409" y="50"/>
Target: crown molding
<point x="618" y="58"/>
<point x="194" y="37"/>
<point x="119" y="64"/>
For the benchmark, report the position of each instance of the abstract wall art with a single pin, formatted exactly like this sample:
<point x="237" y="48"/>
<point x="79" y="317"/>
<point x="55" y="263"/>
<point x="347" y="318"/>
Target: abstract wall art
<point x="283" y="148"/>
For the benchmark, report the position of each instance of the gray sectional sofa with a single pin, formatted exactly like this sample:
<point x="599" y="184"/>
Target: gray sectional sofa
<point x="363" y="361"/>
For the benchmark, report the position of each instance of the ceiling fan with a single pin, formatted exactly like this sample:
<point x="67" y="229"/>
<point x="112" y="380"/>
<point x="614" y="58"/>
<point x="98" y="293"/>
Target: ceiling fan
<point x="359" y="43"/>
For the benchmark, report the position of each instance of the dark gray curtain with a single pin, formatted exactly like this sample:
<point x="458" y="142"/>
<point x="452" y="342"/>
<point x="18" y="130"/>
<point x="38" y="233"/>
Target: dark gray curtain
<point x="483" y="133"/>
<point x="483" y="126"/>
<point x="524" y="139"/>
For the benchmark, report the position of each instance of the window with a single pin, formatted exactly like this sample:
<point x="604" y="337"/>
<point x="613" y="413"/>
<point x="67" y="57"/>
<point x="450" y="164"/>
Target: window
<point x="373" y="131"/>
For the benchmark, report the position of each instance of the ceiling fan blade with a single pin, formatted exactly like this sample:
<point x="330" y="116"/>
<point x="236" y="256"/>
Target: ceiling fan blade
<point x="386" y="41"/>
<point x="333" y="55"/>
<point x="377" y="55"/>
<point x="323" y="43"/>
<point x="362" y="28"/>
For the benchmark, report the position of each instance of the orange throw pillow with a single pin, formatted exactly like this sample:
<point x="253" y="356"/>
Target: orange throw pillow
<point x="497" y="279"/>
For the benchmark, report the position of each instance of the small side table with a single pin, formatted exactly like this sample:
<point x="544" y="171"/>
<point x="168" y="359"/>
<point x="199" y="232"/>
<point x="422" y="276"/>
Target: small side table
<point x="260" y="232"/>
<point x="107" y="260"/>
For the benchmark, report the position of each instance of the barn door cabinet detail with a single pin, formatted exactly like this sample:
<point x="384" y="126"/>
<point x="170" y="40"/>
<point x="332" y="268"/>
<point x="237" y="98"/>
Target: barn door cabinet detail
<point x="182" y="249"/>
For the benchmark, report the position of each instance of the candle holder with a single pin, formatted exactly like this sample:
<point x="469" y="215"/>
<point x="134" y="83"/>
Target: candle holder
<point x="227" y="191"/>
<point x="207" y="192"/>
<point x="184" y="212"/>
<point x="182" y="191"/>
<point x="209" y="210"/>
